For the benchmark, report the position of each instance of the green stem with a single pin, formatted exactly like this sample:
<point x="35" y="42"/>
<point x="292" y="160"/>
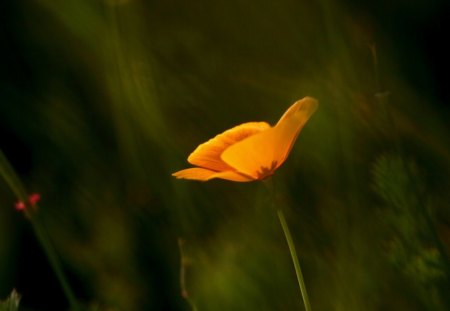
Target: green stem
<point x="52" y="257"/>
<point x="295" y="260"/>
<point x="13" y="181"/>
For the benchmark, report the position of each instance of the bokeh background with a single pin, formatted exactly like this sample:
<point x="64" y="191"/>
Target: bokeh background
<point x="102" y="100"/>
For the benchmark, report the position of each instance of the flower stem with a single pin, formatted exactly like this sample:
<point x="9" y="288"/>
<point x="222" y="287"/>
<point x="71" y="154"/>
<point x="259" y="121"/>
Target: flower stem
<point x="298" y="270"/>
<point x="52" y="257"/>
<point x="270" y="184"/>
<point x="13" y="181"/>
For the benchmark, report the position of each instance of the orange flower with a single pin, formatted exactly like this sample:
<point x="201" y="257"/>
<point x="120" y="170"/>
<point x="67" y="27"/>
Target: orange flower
<point x="250" y="151"/>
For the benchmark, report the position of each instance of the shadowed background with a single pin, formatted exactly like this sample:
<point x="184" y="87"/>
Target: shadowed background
<point x="103" y="100"/>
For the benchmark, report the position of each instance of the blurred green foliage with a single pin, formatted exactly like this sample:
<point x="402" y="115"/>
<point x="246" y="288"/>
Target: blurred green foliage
<point x="12" y="303"/>
<point x="103" y="100"/>
<point x="411" y="244"/>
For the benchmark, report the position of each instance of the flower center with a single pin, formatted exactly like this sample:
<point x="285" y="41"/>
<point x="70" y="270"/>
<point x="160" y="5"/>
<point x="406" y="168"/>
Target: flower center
<point x="267" y="171"/>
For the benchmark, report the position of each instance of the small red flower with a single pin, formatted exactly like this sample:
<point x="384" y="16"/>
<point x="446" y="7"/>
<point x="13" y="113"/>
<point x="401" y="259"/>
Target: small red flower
<point x="32" y="201"/>
<point x="34" y="198"/>
<point x="20" y="206"/>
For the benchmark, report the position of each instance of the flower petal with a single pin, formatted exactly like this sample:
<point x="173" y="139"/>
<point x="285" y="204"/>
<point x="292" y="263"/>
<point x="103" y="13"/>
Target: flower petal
<point x="291" y="123"/>
<point x="194" y="173"/>
<point x="202" y="174"/>
<point x="207" y="155"/>
<point x="260" y="155"/>
<point x="233" y="176"/>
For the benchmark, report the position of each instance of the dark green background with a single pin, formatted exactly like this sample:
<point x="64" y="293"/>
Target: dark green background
<point x="102" y="100"/>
